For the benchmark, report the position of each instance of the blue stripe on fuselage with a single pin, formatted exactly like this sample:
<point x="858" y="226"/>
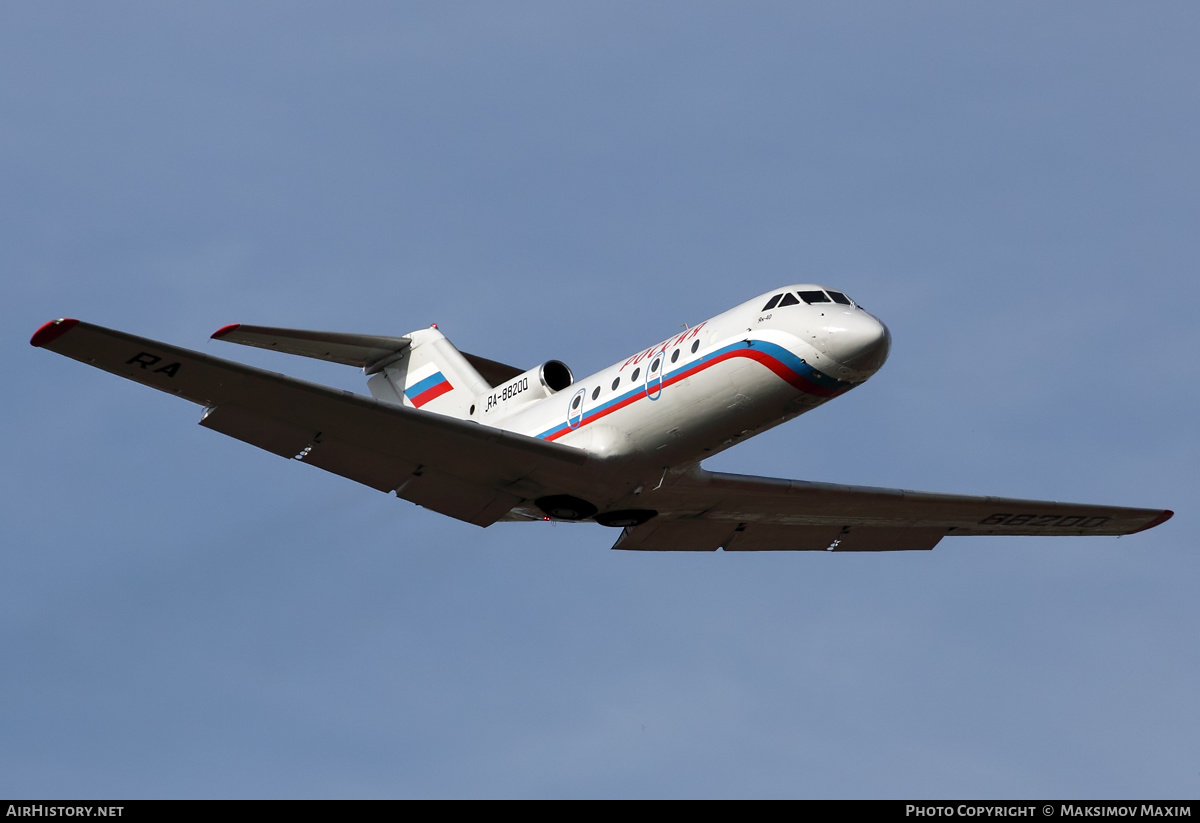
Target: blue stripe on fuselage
<point x="831" y="386"/>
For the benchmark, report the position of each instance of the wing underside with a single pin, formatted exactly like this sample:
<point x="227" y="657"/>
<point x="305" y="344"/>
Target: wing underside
<point x="704" y="511"/>
<point x="458" y="468"/>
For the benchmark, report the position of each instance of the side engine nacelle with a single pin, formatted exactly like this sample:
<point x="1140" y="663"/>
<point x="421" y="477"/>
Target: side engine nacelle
<point x="536" y="384"/>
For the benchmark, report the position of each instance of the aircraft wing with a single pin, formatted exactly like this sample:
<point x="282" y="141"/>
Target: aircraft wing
<point x="704" y="510"/>
<point x="462" y="469"/>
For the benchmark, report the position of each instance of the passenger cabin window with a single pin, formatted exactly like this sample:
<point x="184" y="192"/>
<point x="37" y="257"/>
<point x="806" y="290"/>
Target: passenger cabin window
<point x="838" y="297"/>
<point x="789" y="299"/>
<point x="772" y="303"/>
<point x="811" y="297"/>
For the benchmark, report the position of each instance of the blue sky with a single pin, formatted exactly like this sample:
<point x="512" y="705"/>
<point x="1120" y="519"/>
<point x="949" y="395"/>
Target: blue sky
<point x="1014" y="189"/>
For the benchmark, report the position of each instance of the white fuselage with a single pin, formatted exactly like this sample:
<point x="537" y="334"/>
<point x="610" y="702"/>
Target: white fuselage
<point x="701" y="391"/>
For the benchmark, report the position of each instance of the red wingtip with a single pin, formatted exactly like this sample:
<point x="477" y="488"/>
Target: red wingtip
<point x="53" y="330"/>
<point x="224" y="330"/>
<point x="1158" y="521"/>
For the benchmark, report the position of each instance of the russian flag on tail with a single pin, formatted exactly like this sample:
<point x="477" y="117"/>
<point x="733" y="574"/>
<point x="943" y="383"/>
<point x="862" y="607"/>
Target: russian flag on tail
<point x="425" y="384"/>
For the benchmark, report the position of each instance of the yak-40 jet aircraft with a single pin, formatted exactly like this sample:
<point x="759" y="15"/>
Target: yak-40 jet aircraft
<point x="481" y="441"/>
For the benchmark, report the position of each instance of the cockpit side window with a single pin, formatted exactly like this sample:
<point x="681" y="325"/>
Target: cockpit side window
<point x="811" y="297"/>
<point x="838" y="297"/>
<point x="772" y="303"/>
<point x="789" y="299"/>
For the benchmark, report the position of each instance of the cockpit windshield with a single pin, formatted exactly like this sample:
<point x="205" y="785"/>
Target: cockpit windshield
<point x="809" y="297"/>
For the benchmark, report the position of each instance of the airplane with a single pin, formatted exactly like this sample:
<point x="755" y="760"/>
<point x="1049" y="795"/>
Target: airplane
<point x="482" y="441"/>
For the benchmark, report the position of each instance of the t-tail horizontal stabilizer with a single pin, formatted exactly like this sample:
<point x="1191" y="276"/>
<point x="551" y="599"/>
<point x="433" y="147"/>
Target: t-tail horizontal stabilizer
<point x="370" y="352"/>
<point x="367" y="351"/>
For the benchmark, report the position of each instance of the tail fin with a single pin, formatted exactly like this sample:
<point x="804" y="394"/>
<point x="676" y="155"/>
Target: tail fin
<point x="431" y="375"/>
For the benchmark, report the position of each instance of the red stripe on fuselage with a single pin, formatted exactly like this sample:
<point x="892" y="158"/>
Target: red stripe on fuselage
<point x="779" y="369"/>
<point x="785" y="373"/>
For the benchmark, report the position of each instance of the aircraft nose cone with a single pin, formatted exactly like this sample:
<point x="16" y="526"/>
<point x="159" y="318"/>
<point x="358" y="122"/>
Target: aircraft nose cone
<point x="860" y="343"/>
